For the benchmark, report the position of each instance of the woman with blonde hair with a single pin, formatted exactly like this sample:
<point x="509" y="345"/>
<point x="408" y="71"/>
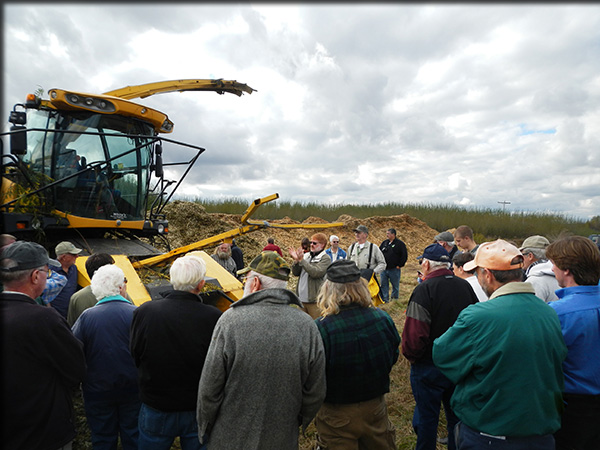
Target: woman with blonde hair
<point x="361" y="345"/>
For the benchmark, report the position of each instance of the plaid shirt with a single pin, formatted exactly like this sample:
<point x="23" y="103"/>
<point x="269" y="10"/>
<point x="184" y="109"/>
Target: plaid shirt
<point x="361" y="346"/>
<point x="54" y="284"/>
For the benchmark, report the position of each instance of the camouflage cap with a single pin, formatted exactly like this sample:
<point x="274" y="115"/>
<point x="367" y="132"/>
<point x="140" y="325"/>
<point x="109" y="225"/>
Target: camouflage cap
<point x="269" y="264"/>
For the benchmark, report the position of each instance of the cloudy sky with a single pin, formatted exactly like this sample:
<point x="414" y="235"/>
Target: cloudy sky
<point x="467" y="104"/>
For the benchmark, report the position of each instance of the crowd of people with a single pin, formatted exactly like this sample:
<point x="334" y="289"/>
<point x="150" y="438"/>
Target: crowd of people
<point x="505" y="338"/>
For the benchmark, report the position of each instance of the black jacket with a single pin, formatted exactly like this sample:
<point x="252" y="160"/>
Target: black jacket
<point x="42" y="361"/>
<point x="394" y="252"/>
<point x="169" y="342"/>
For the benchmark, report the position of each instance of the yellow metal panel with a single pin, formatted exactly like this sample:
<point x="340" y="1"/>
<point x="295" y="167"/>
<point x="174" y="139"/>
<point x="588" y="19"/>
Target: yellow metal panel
<point x="230" y="284"/>
<point x="135" y="288"/>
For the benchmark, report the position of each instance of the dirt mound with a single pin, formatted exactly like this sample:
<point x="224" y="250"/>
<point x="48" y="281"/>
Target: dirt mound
<point x="189" y="222"/>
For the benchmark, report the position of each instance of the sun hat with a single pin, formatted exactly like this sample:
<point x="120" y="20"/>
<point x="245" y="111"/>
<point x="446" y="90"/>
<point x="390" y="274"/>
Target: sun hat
<point x="497" y="255"/>
<point x="342" y="271"/>
<point x="435" y="252"/>
<point x="66" y="247"/>
<point x="269" y="264"/>
<point x="26" y="255"/>
<point x="536" y="241"/>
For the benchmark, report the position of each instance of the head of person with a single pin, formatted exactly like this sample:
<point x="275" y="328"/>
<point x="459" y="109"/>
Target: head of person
<point x="66" y="254"/>
<point x="223" y="251"/>
<point x="576" y="261"/>
<point x="305" y="244"/>
<point x="24" y="268"/>
<point x="391" y="234"/>
<point x="267" y="271"/>
<point x="459" y="260"/>
<point x="6" y="240"/>
<point x="496" y="264"/>
<point x="187" y="273"/>
<point x="97" y="260"/>
<point x="318" y="242"/>
<point x="463" y="237"/>
<point x="334" y="241"/>
<point x="445" y="239"/>
<point x="343" y="286"/>
<point x="108" y="281"/>
<point x="361" y="233"/>
<point x="434" y="257"/>
<point x="533" y="249"/>
<point x="270" y="241"/>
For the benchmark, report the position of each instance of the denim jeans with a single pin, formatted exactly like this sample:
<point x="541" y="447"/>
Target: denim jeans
<point x="158" y="429"/>
<point x="430" y="389"/>
<point x="111" y="417"/>
<point x="469" y="439"/>
<point x="387" y="277"/>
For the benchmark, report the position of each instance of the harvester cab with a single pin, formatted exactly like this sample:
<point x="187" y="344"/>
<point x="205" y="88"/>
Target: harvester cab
<point x="89" y="168"/>
<point x="93" y="163"/>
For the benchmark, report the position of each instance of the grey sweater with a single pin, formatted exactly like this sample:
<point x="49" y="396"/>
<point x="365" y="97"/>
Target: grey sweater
<point x="264" y="375"/>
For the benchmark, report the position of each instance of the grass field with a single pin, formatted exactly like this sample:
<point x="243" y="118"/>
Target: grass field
<point x="488" y="224"/>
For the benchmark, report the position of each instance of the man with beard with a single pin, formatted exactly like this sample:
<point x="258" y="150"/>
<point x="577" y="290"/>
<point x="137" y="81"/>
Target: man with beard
<point x="310" y="268"/>
<point x="222" y="255"/>
<point x="264" y="374"/>
<point x="505" y="357"/>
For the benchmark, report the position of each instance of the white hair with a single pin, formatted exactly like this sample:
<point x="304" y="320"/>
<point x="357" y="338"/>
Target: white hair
<point x="107" y="281"/>
<point x="268" y="282"/>
<point x="186" y="272"/>
<point x="434" y="265"/>
<point x="333" y="237"/>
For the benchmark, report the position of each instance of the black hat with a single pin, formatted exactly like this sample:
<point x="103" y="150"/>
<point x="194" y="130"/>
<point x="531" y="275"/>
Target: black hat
<point x="26" y="255"/>
<point x="343" y="271"/>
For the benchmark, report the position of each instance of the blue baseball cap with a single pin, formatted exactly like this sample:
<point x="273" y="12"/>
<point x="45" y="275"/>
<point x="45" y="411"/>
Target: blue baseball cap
<point x="435" y="252"/>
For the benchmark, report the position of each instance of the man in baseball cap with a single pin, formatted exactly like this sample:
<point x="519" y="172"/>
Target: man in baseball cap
<point x="433" y="307"/>
<point x="365" y="254"/>
<point x="258" y="340"/>
<point x="538" y="270"/>
<point x="41" y="359"/>
<point x="446" y="240"/>
<point x="495" y="350"/>
<point x="66" y="254"/>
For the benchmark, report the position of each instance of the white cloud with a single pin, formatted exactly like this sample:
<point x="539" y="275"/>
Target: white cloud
<point x="354" y="103"/>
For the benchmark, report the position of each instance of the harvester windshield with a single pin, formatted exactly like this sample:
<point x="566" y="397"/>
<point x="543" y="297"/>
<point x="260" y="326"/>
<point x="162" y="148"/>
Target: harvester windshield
<point x="102" y="161"/>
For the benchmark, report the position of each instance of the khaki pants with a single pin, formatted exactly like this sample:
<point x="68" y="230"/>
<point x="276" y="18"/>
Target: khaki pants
<point x="312" y="309"/>
<point x="355" y="426"/>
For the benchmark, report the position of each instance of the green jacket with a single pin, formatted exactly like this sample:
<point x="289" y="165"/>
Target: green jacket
<point x="505" y="357"/>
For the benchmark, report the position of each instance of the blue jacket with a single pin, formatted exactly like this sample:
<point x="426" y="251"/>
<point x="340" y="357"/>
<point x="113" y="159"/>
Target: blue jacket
<point x="578" y="310"/>
<point x="341" y="254"/>
<point x="104" y="331"/>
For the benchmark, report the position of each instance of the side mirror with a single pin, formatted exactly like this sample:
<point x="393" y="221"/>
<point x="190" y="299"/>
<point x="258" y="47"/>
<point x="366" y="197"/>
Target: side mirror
<point x="18" y="132"/>
<point x="158" y="162"/>
<point x="18" y="140"/>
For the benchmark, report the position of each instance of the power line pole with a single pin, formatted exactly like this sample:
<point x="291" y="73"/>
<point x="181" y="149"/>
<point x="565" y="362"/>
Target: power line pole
<point x="504" y="203"/>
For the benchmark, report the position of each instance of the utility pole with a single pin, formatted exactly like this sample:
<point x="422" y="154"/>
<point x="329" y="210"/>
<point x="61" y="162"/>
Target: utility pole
<point x="504" y="203"/>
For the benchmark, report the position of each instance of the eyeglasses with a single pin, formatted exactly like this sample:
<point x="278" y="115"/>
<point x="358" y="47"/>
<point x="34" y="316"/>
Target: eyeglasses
<point x="335" y="242"/>
<point x="314" y="243"/>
